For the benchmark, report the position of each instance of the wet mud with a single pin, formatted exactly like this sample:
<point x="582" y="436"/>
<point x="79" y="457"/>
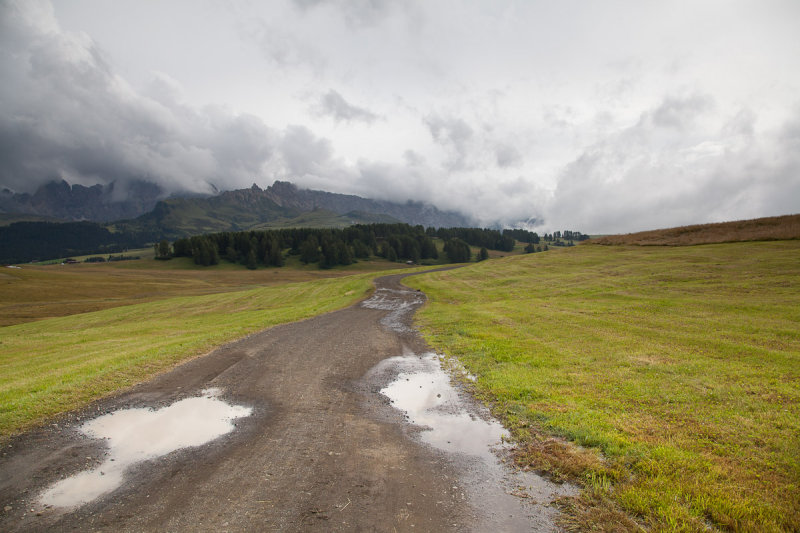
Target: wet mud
<point x="310" y="426"/>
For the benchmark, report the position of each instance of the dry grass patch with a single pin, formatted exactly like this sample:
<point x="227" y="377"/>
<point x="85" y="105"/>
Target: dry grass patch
<point x="759" y="229"/>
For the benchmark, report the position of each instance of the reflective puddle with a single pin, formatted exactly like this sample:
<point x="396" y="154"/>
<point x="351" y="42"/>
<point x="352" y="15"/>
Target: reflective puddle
<point x="423" y="391"/>
<point x="503" y="499"/>
<point x="136" y="435"/>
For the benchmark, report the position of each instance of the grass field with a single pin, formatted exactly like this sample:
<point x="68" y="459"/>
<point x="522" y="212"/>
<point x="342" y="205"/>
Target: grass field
<point x="53" y="365"/>
<point x="36" y="292"/>
<point x="676" y="369"/>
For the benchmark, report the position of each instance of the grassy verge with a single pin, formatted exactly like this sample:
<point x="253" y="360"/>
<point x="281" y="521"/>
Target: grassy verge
<point x="54" y="365"/>
<point x="676" y="369"/>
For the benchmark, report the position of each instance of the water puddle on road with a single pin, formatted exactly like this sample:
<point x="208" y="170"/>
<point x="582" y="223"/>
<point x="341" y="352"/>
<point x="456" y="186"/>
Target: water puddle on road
<point x="424" y="392"/>
<point x="505" y="499"/>
<point x="136" y="435"/>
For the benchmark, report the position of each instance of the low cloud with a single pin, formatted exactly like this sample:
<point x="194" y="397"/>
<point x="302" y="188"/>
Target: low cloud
<point x="641" y="179"/>
<point x="458" y="114"/>
<point x="66" y="114"/>
<point x="303" y="152"/>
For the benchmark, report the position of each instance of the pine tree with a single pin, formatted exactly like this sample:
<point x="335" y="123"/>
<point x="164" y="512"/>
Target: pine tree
<point x="251" y="260"/>
<point x="309" y="250"/>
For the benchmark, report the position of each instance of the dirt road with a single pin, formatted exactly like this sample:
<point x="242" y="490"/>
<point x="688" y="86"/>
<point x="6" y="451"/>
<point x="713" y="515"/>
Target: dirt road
<point x="321" y="449"/>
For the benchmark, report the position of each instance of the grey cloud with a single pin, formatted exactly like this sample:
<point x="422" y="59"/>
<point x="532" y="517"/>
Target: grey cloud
<point x="628" y="182"/>
<point x="679" y="113"/>
<point x="282" y="46"/>
<point x="454" y="134"/>
<point x="413" y="159"/>
<point x="303" y="152"/>
<point x="558" y="116"/>
<point x="743" y="124"/>
<point x="782" y="181"/>
<point x="357" y="13"/>
<point x="64" y="113"/>
<point x="334" y="105"/>
<point x="507" y="156"/>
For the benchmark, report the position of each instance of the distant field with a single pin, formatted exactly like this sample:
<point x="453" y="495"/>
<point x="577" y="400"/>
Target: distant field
<point x="759" y="229"/>
<point x="676" y="368"/>
<point x="57" y="364"/>
<point x="51" y="289"/>
<point x="37" y="292"/>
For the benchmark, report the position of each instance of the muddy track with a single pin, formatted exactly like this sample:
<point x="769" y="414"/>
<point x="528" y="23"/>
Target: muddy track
<point x="323" y="450"/>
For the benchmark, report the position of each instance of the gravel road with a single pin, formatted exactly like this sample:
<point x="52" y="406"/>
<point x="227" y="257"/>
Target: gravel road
<point x="320" y="448"/>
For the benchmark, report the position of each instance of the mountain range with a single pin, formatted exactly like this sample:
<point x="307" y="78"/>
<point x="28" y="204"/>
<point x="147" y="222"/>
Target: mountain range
<point x="140" y="206"/>
<point x="58" y="200"/>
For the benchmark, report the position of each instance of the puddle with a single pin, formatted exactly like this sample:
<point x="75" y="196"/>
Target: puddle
<point x="424" y="392"/>
<point x="505" y="499"/>
<point x="400" y="302"/>
<point x="136" y="435"/>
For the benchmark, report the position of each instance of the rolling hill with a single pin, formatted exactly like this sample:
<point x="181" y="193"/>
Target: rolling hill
<point x="759" y="229"/>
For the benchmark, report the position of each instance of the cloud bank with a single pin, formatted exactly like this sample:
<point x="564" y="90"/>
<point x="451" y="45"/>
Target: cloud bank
<point x="507" y="111"/>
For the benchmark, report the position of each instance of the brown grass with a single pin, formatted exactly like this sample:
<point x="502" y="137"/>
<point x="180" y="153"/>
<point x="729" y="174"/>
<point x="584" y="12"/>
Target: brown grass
<point x="40" y="292"/>
<point x="595" y="512"/>
<point x="759" y="229"/>
<point x="559" y="459"/>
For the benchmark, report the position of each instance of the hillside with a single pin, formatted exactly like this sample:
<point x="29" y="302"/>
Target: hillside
<point x="229" y="211"/>
<point x="323" y="218"/>
<point x="283" y="204"/>
<point x="759" y="229"/>
<point x="288" y="195"/>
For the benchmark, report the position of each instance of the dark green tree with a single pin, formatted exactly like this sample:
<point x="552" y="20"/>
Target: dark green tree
<point x="273" y="255"/>
<point x="251" y="262"/>
<point x="162" y="250"/>
<point x="231" y="255"/>
<point x="329" y="255"/>
<point x="309" y="250"/>
<point x="483" y="255"/>
<point x="457" y="251"/>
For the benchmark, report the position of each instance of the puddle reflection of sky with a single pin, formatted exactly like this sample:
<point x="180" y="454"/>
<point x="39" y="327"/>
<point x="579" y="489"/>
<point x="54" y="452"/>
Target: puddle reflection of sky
<point x="136" y="435"/>
<point x="424" y="392"/>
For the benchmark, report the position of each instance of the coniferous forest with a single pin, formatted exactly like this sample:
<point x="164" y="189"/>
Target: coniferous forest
<point x="332" y="247"/>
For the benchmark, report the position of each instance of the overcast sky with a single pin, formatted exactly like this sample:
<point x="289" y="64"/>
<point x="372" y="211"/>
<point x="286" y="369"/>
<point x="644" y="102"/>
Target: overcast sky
<point x="597" y="116"/>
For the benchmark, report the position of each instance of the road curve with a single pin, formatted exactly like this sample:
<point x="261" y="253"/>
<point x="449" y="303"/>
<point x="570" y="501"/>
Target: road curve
<point x="322" y="450"/>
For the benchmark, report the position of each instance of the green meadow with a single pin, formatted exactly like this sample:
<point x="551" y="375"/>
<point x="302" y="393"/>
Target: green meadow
<point x="676" y="370"/>
<point x="52" y="365"/>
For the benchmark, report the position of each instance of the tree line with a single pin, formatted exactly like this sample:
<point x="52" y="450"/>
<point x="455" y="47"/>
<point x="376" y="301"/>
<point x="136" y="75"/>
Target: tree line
<point x="332" y="247"/>
<point x="21" y="242"/>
